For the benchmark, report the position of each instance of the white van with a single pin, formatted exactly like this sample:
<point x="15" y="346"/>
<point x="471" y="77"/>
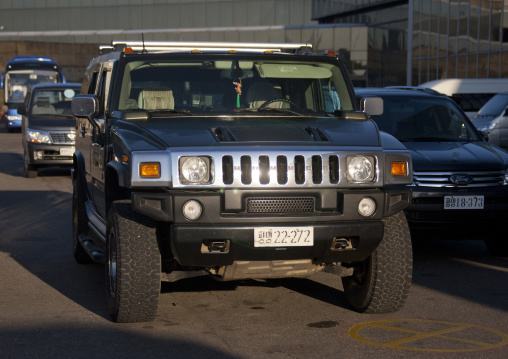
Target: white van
<point x="470" y="94"/>
<point x="493" y="119"/>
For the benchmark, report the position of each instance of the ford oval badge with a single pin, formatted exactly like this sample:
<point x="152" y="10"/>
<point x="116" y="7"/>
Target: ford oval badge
<point x="461" y="179"/>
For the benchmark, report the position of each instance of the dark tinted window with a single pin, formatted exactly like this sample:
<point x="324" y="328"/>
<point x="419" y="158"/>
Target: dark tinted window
<point x="424" y="119"/>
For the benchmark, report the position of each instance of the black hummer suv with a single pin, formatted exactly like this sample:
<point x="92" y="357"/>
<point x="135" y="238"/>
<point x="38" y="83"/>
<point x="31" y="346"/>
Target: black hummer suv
<point x="243" y="160"/>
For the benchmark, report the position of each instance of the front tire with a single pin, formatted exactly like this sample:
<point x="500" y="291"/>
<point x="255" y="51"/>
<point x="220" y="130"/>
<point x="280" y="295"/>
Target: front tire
<point x="30" y="170"/>
<point x="381" y="283"/>
<point x="133" y="266"/>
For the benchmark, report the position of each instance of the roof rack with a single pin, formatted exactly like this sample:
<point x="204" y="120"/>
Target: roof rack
<point x="152" y="46"/>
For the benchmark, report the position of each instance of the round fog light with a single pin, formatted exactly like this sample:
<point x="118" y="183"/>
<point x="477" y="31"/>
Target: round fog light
<point x="367" y="207"/>
<point x="192" y="210"/>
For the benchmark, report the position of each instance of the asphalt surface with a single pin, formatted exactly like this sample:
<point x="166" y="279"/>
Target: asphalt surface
<point x="52" y="307"/>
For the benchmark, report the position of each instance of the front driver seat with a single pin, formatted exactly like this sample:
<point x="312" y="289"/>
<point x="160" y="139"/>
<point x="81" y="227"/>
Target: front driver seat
<point x="156" y="98"/>
<point x="260" y="92"/>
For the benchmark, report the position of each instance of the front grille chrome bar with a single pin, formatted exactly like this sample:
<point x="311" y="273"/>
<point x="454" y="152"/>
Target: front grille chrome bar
<point x="443" y="179"/>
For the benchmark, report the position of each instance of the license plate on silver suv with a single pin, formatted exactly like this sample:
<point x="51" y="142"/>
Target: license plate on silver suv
<point x="66" y="151"/>
<point x="463" y="202"/>
<point x="283" y="236"/>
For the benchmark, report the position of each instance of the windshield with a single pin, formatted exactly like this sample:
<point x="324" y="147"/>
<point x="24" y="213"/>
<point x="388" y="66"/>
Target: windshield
<point x="53" y="102"/>
<point x="19" y="82"/>
<point x="495" y="106"/>
<point x="425" y="119"/>
<point x="233" y="86"/>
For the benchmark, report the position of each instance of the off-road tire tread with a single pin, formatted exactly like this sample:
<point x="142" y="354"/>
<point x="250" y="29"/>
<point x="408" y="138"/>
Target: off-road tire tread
<point x="138" y="266"/>
<point x="391" y="266"/>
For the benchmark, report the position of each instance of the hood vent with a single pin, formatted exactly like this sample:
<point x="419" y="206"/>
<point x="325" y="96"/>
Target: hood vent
<point x="268" y="134"/>
<point x="316" y="134"/>
<point x="223" y="134"/>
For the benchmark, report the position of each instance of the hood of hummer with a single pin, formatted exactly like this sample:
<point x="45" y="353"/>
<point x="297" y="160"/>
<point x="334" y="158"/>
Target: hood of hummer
<point x="268" y="131"/>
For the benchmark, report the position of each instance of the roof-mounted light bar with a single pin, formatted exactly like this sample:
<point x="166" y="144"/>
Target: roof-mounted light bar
<point x="205" y="46"/>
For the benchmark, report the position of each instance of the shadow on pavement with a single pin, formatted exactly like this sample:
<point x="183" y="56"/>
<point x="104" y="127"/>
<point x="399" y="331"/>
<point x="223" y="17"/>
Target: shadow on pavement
<point x="81" y="341"/>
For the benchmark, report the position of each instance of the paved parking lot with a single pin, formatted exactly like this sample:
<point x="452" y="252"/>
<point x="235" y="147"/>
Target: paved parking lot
<point x="52" y="307"/>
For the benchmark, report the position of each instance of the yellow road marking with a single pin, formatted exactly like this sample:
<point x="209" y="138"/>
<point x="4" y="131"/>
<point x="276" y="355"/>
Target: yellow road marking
<point x="417" y="335"/>
<point x="481" y="265"/>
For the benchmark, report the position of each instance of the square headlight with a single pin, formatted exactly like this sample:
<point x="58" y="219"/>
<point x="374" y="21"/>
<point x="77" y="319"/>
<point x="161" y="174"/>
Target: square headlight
<point x="195" y="169"/>
<point x="361" y="169"/>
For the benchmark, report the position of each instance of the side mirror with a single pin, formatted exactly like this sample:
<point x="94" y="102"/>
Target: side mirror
<point x="22" y="110"/>
<point x="372" y="106"/>
<point x="86" y="106"/>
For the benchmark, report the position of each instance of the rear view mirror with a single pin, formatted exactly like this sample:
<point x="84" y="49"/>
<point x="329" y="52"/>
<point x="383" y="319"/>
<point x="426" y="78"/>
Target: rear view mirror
<point x="85" y="106"/>
<point x="372" y="106"/>
<point x="22" y="110"/>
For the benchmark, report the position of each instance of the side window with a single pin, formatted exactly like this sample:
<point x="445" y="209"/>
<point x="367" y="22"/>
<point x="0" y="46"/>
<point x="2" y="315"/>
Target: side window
<point x="93" y="83"/>
<point x="103" y="86"/>
<point x="332" y="101"/>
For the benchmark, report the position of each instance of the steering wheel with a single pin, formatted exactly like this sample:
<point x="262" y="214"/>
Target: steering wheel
<point x="291" y="103"/>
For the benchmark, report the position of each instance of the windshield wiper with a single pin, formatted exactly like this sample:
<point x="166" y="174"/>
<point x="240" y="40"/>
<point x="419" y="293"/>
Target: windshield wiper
<point x="184" y="112"/>
<point x="269" y="109"/>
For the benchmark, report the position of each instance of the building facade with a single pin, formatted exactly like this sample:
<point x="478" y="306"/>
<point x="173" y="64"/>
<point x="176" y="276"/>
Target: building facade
<point x="414" y="41"/>
<point x="32" y="27"/>
<point x="383" y="42"/>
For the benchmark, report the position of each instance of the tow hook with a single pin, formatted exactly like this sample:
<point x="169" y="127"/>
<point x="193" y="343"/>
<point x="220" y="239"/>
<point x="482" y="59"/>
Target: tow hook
<point x="217" y="246"/>
<point x="341" y="244"/>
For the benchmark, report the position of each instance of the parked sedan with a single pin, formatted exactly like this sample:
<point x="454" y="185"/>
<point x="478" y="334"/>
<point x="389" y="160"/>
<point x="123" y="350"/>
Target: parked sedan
<point x="48" y="126"/>
<point x="460" y="180"/>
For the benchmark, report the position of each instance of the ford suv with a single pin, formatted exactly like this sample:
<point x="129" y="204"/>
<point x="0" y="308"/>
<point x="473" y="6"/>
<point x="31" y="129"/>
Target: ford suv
<point x="460" y="187"/>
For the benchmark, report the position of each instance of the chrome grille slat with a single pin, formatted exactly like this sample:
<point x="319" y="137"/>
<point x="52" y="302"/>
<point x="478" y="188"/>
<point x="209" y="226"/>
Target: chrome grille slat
<point x="442" y="179"/>
<point x="280" y="170"/>
<point x="62" y="137"/>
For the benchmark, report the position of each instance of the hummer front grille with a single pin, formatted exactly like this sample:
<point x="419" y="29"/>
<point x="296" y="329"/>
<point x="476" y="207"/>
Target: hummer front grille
<point x="280" y="169"/>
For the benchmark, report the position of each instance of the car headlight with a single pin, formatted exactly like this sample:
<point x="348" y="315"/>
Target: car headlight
<point x="36" y="136"/>
<point x="14" y="118"/>
<point x="361" y="169"/>
<point x="195" y="169"/>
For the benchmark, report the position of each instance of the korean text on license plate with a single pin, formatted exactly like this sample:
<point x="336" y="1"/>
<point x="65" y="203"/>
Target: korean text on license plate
<point x="464" y="202"/>
<point x="283" y="236"/>
<point x="66" y="151"/>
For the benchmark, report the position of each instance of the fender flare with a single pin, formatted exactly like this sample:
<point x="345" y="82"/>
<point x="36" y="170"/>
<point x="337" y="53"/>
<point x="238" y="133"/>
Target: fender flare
<point x="120" y="171"/>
